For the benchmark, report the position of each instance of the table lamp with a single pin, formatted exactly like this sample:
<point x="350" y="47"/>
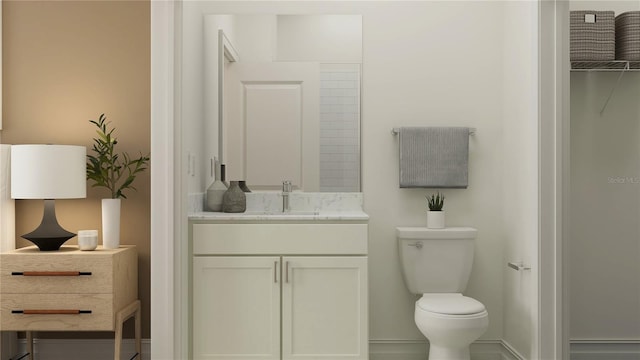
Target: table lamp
<point x="48" y="172"/>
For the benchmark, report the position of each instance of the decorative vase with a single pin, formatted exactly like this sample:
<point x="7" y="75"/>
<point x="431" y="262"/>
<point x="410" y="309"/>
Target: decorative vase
<point x="435" y="219"/>
<point x="234" y="199"/>
<point x="215" y="193"/>
<point x="111" y="223"/>
<point x="244" y="187"/>
<point x="223" y="175"/>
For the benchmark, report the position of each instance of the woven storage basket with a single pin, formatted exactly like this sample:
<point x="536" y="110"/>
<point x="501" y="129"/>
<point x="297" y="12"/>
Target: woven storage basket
<point x="628" y="36"/>
<point x="592" y="41"/>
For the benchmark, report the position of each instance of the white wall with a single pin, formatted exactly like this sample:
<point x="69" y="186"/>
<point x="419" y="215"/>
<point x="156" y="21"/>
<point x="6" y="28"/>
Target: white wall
<point x="520" y="175"/>
<point x="617" y="6"/>
<point x="424" y="64"/>
<point x="415" y="76"/>
<point x="604" y="258"/>
<point x="256" y="37"/>
<point x="7" y="204"/>
<point x="325" y="39"/>
<point x="198" y="102"/>
<point x="605" y="207"/>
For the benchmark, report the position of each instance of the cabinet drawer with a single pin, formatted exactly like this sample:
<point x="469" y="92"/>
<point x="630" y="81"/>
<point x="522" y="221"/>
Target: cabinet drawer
<point x="281" y="239"/>
<point x="100" y="280"/>
<point x="100" y="319"/>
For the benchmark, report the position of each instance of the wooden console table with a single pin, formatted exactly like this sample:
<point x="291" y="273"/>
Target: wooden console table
<point x="70" y="290"/>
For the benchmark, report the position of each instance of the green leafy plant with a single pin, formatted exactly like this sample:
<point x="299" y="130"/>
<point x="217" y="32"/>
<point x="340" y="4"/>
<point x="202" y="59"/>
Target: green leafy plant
<point x="111" y="170"/>
<point x="436" y="201"/>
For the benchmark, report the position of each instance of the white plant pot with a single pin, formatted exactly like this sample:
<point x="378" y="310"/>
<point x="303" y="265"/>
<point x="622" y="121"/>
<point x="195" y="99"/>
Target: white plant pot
<point x="111" y="223"/>
<point x="435" y="219"/>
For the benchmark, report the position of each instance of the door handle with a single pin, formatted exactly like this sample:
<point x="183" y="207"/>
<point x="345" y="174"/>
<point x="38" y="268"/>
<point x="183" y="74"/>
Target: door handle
<point x="287" y="272"/>
<point x="275" y="272"/>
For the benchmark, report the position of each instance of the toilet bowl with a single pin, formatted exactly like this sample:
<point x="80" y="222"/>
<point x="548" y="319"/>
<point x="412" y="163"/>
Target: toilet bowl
<point x="450" y="323"/>
<point x="436" y="263"/>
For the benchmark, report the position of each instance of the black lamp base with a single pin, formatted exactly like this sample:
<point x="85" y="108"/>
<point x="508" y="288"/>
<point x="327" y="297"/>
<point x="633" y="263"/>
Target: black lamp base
<point x="49" y="235"/>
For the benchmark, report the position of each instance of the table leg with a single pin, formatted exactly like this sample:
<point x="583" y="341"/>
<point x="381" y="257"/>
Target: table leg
<point x="131" y="310"/>
<point x="30" y="345"/>
<point x="118" y="339"/>
<point x="138" y="320"/>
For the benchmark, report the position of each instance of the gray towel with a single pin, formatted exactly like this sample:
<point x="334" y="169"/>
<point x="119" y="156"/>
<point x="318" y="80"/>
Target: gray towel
<point x="434" y="157"/>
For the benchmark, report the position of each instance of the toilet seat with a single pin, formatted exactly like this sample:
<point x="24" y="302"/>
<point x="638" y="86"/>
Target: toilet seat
<point x="450" y="304"/>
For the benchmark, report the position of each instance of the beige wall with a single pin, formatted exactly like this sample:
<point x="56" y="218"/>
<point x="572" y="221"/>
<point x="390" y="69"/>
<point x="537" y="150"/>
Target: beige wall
<point x="63" y="64"/>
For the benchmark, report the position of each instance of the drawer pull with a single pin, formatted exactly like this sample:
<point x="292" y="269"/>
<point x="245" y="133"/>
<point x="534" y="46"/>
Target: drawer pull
<point x="51" y="312"/>
<point x="51" y="273"/>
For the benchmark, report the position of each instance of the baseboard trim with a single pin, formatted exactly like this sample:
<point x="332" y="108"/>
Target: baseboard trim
<point x="99" y="349"/>
<point x="510" y="352"/>
<point x="417" y="350"/>
<point x="605" y="349"/>
<point x="81" y="349"/>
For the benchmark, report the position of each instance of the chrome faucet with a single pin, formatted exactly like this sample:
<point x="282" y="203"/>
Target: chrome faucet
<point x="286" y="190"/>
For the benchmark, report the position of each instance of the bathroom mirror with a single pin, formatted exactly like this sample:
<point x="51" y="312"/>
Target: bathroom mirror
<point x="287" y="89"/>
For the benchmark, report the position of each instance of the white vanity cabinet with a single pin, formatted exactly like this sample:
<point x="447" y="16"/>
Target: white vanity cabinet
<point x="279" y="291"/>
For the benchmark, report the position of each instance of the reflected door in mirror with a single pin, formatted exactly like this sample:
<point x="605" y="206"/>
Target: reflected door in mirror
<point x="272" y="124"/>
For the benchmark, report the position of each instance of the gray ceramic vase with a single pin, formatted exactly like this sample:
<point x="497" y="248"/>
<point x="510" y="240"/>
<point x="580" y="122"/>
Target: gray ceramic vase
<point x="244" y="187"/>
<point x="234" y="199"/>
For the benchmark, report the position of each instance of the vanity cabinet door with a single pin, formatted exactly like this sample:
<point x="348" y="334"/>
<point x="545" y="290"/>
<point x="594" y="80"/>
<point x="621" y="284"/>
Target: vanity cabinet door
<point x="236" y="307"/>
<point x="324" y="308"/>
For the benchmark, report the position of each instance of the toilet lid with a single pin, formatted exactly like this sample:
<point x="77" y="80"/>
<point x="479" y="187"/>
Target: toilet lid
<point x="453" y="304"/>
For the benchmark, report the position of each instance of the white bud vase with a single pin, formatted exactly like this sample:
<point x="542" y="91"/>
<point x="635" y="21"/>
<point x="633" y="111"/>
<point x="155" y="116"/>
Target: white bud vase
<point x="111" y="223"/>
<point x="435" y="219"/>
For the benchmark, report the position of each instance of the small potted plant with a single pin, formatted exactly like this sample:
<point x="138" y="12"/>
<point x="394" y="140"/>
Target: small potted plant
<point x="113" y="171"/>
<point x="435" y="215"/>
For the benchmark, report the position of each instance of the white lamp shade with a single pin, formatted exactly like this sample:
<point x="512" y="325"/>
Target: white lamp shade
<point x="48" y="172"/>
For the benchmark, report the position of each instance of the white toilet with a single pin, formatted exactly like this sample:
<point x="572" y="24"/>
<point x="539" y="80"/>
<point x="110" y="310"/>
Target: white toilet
<point x="436" y="263"/>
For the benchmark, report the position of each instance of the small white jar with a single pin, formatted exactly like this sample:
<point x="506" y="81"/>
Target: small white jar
<point x="87" y="239"/>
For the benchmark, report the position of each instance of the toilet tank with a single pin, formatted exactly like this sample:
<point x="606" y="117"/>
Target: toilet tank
<point x="436" y="260"/>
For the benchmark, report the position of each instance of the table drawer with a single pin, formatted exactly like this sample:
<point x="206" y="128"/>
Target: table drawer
<point x="100" y="318"/>
<point x="56" y="277"/>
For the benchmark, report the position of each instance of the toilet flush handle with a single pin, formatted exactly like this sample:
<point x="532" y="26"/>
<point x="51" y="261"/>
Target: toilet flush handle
<point x="417" y="244"/>
<point x="518" y="266"/>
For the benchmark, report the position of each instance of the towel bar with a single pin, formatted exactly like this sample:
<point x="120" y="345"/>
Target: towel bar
<point x="396" y="131"/>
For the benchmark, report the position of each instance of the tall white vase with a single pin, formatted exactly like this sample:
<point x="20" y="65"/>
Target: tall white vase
<point x="111" y="223"/>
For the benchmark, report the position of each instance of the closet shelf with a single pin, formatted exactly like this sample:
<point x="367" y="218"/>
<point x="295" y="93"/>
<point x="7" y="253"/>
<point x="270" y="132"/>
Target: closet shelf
<point x="615" y="65"/>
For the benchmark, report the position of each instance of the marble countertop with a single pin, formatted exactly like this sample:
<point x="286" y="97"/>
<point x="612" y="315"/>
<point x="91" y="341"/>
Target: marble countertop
<point x="351" y="215"/>
<point x="267" y="205"/>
